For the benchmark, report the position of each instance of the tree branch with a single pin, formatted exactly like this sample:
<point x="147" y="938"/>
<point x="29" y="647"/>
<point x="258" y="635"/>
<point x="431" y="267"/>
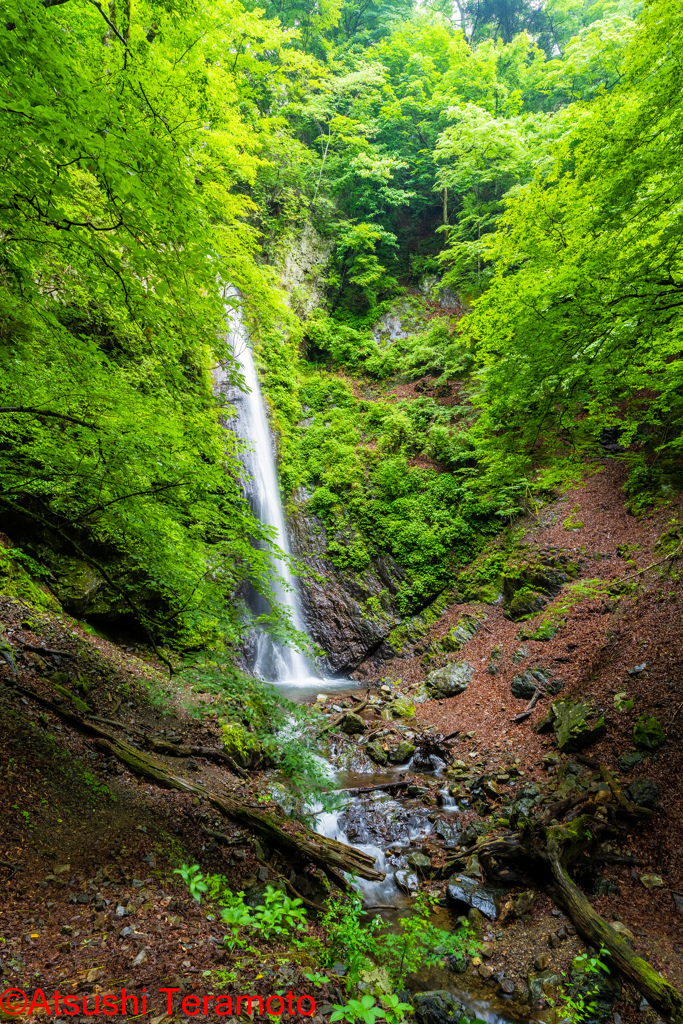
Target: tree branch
<point x="47" y="412"/>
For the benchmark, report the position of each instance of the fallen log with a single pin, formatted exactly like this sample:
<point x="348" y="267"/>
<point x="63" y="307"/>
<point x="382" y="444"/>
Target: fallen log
<point x="334" y="857"/>
<point x="338" y="718"/>
<point x="327" y="853"/>
<point x="530" y="706"/>
<point x="544" y="855"/>
<point x="387" y="786"/>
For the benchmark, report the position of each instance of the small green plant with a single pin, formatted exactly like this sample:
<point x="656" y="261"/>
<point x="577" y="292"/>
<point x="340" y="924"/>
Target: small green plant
<point x="236" y="917"/>
<point x="622" y="702"/>
<point x="279" y="915"/>
<point x="193" y="879"/>
<point x="364" y="1009"/>
<point x="578" y="1003"/>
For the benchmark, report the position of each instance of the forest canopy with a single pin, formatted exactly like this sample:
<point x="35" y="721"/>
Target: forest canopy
<point x="524" y="156"/>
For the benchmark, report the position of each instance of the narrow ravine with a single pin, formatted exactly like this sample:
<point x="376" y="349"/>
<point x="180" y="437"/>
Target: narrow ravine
<point x="383" y="825"/>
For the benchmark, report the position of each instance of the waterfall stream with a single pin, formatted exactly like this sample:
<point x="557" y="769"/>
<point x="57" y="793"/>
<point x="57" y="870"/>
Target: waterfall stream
<point x="287" y="668"/>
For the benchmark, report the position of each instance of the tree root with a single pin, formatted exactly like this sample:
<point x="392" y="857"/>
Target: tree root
<point x="543" y="855"/>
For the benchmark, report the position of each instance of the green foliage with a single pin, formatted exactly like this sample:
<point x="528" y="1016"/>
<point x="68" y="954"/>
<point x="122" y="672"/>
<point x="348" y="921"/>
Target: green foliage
<point x="578" y="1003"/>
<point x="362" y="944"/>
<point x="193" y="878"/>
<point x="580" y="330"/>
<point x="277" y="917"/>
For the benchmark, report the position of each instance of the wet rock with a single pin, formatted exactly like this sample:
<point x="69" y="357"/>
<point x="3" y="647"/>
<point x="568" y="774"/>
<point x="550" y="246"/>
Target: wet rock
<point x="416" y="791"/>
<point x="507" y="987"/>
<point x="420" y="863"/>
<point x="484" y="971"/>
<point x="407" y="881"/>
<point x="543" y="984"/>
<point x="376" y="752"/>
<point x="468" y="892"/>
<point x="627" y="762"/>
<point x="449" y="831"/>
<point x="648" y="733"/>
<point x="437" y="1007"/>
<point x="352" y="724"/>
<point x="554" y="940"/>
<point x="450" y="680"/>
<point x="473" y="831"/>
<point x="401" y="752"/>
<point x="644" y="793"/>
<point x="576" y="724"/>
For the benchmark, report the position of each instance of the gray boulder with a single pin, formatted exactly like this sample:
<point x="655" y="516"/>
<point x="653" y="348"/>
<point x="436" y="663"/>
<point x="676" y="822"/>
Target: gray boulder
<point x="450" y="680"/>
<point x="471" y="893"/>
<point x="643" y="792"/>
<point x="437" y="1007"/>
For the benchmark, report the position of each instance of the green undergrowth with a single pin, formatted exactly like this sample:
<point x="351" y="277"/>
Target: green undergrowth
<point x="385" y="475"/>
<point x="259" y="724"/>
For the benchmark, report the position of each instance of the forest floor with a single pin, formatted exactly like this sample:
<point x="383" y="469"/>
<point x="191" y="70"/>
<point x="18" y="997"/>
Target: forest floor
<point x="88" y="850"/>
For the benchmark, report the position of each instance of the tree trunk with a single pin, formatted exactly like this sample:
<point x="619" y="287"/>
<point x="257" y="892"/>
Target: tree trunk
<point x="598" y="933"/>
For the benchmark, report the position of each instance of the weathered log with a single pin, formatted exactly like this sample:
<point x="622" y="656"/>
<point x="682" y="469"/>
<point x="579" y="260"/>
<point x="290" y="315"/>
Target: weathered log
<point x="544" y="855"/>
<point x="386" y="786"/>
<point x="271" y="826"/>
<point x="333" y="856"/>
<point x="598" y="933"/>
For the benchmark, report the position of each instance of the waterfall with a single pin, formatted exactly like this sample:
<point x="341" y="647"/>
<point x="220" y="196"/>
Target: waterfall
<point x="286" y="667"/>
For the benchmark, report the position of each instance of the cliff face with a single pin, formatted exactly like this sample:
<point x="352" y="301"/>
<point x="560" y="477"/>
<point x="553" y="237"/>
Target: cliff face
<point x="348" y="614"/>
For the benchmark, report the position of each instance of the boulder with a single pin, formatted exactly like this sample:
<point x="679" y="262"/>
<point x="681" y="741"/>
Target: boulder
<point x="437" y="1007"/>
<point x="401" y="752"/>
<point x="643" y="792"/>
<point x="545" y="983"/>
<point x="468" y="892"/>
<point x="420" y="862"/>
<point x="523" y="686"/>
<point x="407" y="881"/>
<point x="648" y="733"/>
<point x="576" y="724"/>
<point x="450" y="680"/>
<point x="376" y="752"/>
<point x="352" y="724"/>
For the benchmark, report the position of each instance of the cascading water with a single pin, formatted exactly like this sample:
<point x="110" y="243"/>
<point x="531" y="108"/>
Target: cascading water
<point x="284" y="666"/>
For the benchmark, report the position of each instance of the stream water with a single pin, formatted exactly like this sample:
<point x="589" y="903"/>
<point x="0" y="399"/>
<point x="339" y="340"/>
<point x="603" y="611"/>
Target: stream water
<point x="376" y="823"/>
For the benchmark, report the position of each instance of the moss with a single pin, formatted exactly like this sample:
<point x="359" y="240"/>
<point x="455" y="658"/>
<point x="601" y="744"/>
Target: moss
<point x="18" y="582"/>
<point x="648" y="732"/>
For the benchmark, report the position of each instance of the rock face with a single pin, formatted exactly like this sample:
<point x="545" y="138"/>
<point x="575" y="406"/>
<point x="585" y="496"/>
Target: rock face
<point x="450" y="680"/>
<point x="528" y="583"/>
<point x="648" y="733"/>
<point x="576" y="724"/>
<point x="348" y="614"/>
<point x="470" y="893"/>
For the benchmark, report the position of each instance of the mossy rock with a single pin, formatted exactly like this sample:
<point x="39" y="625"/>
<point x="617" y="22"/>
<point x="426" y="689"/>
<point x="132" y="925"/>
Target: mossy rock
<point x="465" y="628"/>
<point x="450" y="680"/>
<point x="576" y="725"/>
<point x="401" y="752"/>
<point x="546" y="631"/>
<point x="240" y="744"/>
<point x="648" y="732"/>
<point x="377" y="753"/>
